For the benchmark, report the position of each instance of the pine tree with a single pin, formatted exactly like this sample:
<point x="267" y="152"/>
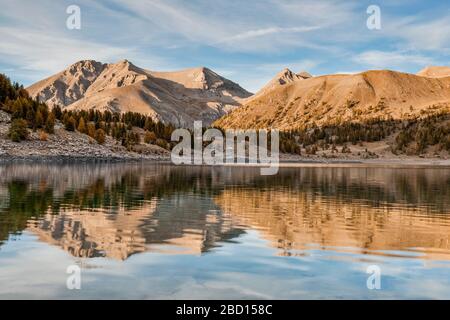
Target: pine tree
<point x="81" y="125"/>
<point x="50" y="123"/>
<point x="57" y="112"/>
<point x="69" y="123"/>
<point x="38" y="120"/>
<point x="91" y="130"/>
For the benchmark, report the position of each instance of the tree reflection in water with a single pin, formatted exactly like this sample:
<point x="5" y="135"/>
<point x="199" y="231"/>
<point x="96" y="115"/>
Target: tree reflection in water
<point x="117" y="210"/>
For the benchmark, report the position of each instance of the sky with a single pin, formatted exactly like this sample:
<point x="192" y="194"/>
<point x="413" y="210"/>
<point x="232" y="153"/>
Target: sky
<point x="245" y="41"/>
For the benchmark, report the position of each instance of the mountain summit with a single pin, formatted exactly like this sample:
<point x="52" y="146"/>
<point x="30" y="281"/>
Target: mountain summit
<point x="282" y="78"/>
<point x="178" y="97"/>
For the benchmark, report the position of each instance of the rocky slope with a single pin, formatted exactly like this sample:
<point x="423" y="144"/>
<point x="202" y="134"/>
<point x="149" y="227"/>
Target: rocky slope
<point x="337" y="98"/>
<point x="65" y="145"/>
<point x="178" y="97"/>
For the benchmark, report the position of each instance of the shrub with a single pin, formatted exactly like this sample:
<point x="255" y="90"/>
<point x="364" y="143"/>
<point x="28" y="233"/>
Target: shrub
<point x="150" y="137"/>
<point x="161" y="143"/>
<point x="18" y="130"/>
<point x="311" y="150"/>
<point x="346" y="149"/>
<point x="43" y="136"/>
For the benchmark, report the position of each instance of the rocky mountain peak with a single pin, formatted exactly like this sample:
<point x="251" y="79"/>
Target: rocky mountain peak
<point x="178" y="97"/>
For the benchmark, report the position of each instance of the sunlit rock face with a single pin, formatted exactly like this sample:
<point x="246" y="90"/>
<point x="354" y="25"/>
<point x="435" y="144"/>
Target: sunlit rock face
<point x="179" y="97"/>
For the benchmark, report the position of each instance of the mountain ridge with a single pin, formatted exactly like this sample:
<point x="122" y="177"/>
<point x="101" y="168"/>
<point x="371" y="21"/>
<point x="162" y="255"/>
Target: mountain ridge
<point x="342" y="97"/>
<point x="282" y="78"/>
<point x="177" y="97"/>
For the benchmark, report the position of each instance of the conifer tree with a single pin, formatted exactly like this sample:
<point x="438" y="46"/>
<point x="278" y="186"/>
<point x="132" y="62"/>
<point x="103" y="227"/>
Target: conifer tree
<point x="100" y="136"/>
<point x="91" y="130"/>
<point x="81" y="125"/>
<point x="50" y="123"/>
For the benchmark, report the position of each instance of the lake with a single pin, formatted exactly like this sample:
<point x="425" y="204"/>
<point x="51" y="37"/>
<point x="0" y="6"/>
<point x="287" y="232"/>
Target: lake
<point x="157" y="231"/>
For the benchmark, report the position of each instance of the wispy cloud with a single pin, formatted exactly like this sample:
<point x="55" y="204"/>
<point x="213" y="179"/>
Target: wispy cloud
<point x="388" y="60"/>
<point x="251" y="40"/>
<point x="259" y="25"/>
<point x="43" y="53"/>
<point x="265" y="32"/>
<point x="423" y="35"/>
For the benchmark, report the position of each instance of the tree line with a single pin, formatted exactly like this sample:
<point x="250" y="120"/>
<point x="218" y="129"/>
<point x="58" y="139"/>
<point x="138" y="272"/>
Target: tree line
<point x="411" y="136"/>
<point x="30" y="114"/>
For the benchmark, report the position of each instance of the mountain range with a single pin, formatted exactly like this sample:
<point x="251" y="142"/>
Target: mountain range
<point x="290" y="100"/>
<point x="179" y="97"/>
<point x="334" y="99"/>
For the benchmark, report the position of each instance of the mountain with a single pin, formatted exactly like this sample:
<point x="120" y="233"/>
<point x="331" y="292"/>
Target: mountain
<point x="335" y="98"/>
<point x="283" y="78"/>
<point x="435" y="72"/>
<point x="179" y="97"/>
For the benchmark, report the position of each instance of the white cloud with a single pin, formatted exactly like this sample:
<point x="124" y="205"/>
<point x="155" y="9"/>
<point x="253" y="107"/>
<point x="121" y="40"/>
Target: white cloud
<point x="50" y="53"/>
<point x="246" y="39"/>
<point x="264" y="32"/>
<point x="391" y="60"/>
<point x="323" y="12"/>
<point x="258" y="26"/>
<point x="432" y="34"/>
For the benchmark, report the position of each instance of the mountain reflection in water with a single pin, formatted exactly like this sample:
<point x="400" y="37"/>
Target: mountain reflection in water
<point x="118" y="210"/>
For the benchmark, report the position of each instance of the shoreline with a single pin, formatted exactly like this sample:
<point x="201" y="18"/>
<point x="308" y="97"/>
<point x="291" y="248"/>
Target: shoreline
<point x="291" y="163"/>
<point x="78" y="159"/>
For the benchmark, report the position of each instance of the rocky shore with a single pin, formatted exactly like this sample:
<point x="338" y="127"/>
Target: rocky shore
<point x="69" y="146"/>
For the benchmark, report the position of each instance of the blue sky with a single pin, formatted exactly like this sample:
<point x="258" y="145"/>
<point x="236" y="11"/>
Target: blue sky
<point x="245" y="41"/>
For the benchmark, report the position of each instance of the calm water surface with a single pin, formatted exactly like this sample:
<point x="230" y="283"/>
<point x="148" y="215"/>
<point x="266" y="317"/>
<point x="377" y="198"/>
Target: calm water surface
<point x="147" y="231"/>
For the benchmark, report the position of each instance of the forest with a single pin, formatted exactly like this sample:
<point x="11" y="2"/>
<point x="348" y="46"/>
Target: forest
<point x="410" y="136"/>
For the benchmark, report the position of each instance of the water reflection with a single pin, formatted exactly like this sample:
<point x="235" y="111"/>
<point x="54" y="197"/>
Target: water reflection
<point x="117" y="210"/>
